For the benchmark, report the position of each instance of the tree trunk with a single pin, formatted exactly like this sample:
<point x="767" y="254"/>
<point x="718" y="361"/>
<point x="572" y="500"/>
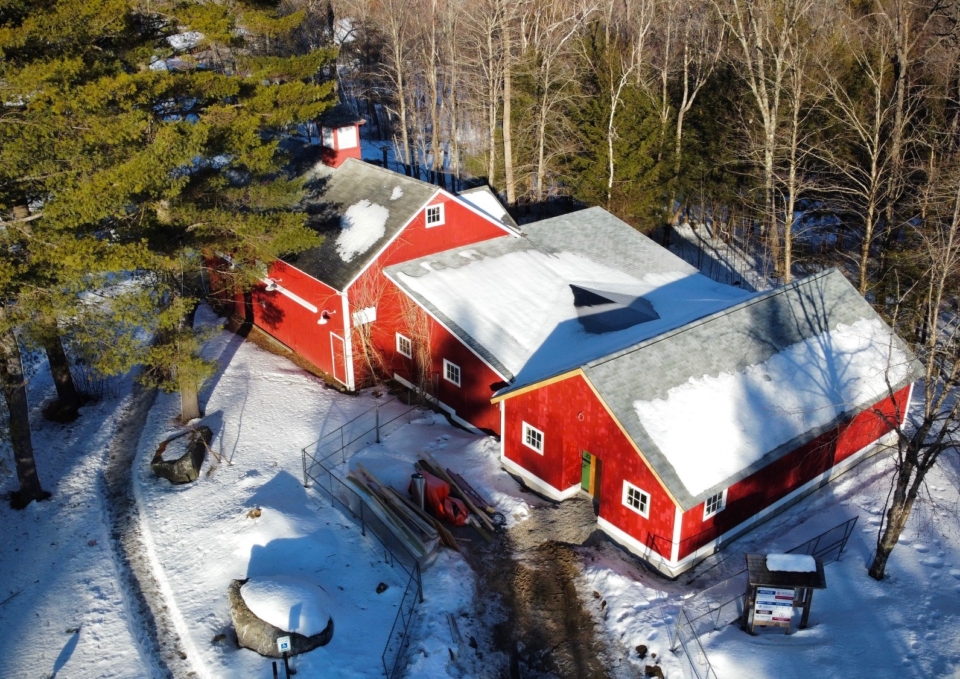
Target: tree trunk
<point x="189" y="400"/>
<point x="189" y="389"/>
<point x="15" y="395"/>
<point x="67" y="395"/>
<point x="492" y="101"/>
<point x="897" y="515"/>
<point x="507" y="123"/>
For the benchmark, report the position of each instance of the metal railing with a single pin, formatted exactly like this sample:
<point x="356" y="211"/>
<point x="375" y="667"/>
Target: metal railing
<point x="722" y="604"/>
<point x="336" y="448"/>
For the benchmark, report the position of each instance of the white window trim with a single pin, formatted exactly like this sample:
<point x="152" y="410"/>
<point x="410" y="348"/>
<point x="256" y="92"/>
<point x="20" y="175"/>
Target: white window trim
<point x="626" y="487"/>
<point x="426" y="215"/>
<point x="523" y="438"/>
<point x="347" y="137"/>
<point x="327" y="138"/>
<point x="364" y="316"/>
<point x="399" y="345"/>
<point x="723" y="504"/>
<point x="459" y="372"/>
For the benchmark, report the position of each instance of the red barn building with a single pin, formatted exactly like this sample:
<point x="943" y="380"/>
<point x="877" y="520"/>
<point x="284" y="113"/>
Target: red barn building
<point x="323" y="302"/>
<point x="689" y="410"/>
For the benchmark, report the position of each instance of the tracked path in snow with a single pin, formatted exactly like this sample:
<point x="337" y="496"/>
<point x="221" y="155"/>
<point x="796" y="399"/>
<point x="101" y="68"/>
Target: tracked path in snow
<point x="160" y="647"/>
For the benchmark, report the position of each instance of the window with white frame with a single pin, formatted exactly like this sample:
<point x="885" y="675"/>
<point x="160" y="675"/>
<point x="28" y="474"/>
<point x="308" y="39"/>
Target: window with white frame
<point x="327" y="135"/>
<point x="435" y="215"/>
<point x="636" y="499"/>
<point x="347" y="137"/>
<point x="451" y="372"/>
<point x="533" y="438"/>
<point x="404" y="346"/>
<point x="364" y="316"/>
<point x="714" y="504"/>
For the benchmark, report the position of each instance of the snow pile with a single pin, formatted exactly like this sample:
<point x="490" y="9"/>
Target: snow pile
<point x="185" y="41"/>
<point x="175" y="449"/>
<point x="485" y="202"/>
<point x="288" y="603"/>
<point x="397" y="193"/>
<point x="521" y="308"/>
<point x="743" y="416"/>
<point x="791" y="563"/>
<point x="363" y="224"/>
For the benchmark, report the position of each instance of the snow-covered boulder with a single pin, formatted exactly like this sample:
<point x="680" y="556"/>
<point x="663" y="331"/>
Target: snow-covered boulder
<point x="179" y="459"/>
<point x="267" y="608"/>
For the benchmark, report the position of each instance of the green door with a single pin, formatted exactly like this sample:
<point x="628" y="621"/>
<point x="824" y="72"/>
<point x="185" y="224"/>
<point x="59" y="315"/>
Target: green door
<point x="585" y="464"/>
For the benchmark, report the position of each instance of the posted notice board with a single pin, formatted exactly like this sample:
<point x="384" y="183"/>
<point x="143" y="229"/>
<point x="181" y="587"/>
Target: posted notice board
<point x="773" y="605"/>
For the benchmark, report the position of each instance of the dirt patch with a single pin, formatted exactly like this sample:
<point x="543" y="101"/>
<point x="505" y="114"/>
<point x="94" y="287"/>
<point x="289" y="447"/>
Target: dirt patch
<point x="160" y="647"/>
<point x="541" y="623"/>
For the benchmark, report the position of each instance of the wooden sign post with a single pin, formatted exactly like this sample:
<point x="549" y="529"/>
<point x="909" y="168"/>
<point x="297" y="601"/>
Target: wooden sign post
<point x="773" y="594"/>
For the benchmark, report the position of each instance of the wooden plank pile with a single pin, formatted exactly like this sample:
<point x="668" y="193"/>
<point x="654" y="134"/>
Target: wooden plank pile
<point x="421" y="533"/>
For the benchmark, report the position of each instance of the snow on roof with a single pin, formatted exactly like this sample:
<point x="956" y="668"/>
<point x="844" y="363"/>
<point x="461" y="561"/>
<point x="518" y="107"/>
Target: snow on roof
<point x="358" y="208"/>
<point x="743" y="415"/>
<point x="758" y="379"/>
<point x="487" y="202"/>
<point x="362" y="225"/>
<point x="792" y="563"/>
<point x="289" y="603"/>
<point x="512" y="300"/>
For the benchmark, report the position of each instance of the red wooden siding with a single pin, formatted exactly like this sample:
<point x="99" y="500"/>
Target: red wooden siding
<point x="395" y="313"/>
<point x="748" y="497"/>
<point x="574" y="420"/>
<point x="461" y="227"/>
<point x="295" y="325"/>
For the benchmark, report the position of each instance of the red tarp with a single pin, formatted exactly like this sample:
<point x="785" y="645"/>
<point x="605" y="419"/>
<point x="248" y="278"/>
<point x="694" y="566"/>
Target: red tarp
<point x="436" y="498"/>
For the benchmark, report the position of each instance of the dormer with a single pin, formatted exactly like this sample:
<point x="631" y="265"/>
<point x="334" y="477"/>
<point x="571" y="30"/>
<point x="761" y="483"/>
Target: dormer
<point x="339" y="135"/>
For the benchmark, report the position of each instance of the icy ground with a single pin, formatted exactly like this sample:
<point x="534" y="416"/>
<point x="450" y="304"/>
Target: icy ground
<point x="64" y="613"/>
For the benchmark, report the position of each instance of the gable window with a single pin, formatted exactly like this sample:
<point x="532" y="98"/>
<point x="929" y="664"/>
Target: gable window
<point x="451" y="372"/>
<point x="404" y="346"/>
<point x="714" y="504"/>
<point x="533" y="438"/>
<point x="636" y="499"/>
<point x="435" y="215"/>
<point x="364" y="316"/>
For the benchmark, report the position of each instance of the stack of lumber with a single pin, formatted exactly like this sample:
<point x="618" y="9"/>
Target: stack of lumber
<point x="478" y="519"/>
<point x="412" y="527"/>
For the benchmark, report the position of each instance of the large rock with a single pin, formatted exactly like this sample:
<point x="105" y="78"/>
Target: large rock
<point x="260" y="636"/>
<point x="185" y="468"/>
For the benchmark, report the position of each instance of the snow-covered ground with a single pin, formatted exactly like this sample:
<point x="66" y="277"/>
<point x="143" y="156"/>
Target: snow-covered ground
<point x="906" y="626"/>
<point x="57" y="565"/>
<point x="61" y="608"/>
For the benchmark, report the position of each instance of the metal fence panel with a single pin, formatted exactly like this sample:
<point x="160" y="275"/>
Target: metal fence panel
<point x="337" y="447"/>
<point x="722" y="604"/>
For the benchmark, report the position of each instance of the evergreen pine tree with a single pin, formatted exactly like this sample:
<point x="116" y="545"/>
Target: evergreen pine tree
<point x="120" y="153"/>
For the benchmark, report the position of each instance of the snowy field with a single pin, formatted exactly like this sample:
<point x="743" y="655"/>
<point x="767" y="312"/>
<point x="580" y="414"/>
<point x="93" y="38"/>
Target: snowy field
<point x="65" y="614"/>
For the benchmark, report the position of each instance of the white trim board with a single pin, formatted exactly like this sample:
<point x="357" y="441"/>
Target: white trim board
<point x="672" y="567"/>
<point x="537" y="483"/>
<point x="450" y="411"/>
<point x="347" y="341"/>
<point x="283" y="291"/>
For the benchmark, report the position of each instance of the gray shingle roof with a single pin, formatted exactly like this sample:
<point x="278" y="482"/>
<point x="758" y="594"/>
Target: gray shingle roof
<point x="332" y="193"/>
<point x="593" y="233"/>
<point x="728" y="342"/>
